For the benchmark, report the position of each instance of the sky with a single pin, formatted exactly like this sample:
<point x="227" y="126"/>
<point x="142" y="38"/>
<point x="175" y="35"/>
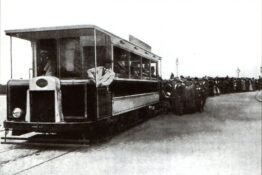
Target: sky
<point x="209" y="37"/>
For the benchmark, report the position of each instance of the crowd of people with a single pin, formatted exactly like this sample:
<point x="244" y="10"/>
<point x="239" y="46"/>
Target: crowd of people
<point x="189" y="94"/>
<point x="224" y="85"/>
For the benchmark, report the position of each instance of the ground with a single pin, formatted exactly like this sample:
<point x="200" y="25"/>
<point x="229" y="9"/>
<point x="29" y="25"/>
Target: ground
<point x="223" y="140"/>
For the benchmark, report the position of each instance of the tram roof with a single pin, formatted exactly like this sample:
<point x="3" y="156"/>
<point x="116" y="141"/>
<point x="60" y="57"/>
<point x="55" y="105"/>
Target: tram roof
<point x="78" y="30"/>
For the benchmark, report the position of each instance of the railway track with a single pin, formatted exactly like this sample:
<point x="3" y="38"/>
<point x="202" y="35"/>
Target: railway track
<point x="46" y="151"/>
<point x="41" y="149"/>
<point x="17" y="150"/>
<point x="49" y="147"/>
<point x="48" y="160"/>
<point x="28" y="149"/>
<point x="40" y="156"/>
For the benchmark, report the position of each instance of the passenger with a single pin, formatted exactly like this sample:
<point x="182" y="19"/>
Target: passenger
<point x="135" y="70"/>
<point x="146" y="70"/>
<point x="104" y="75"/>
<point x="153" y="72"/>
<point x="121" y="68"/>
<point x="47" y="67"/>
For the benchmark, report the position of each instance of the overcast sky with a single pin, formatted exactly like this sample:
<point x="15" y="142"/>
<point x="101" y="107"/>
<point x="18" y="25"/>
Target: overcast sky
<point x="209" y="37"/>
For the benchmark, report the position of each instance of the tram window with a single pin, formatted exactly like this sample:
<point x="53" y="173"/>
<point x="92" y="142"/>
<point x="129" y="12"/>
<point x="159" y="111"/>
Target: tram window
<point x="89" y="56"/>
<point x="46" y="57"/>
<point x="88" y="46"/>
<point x="71" y="65"/>
<point x="121" y="63"/>
<point x="154" y="73"/>
<point x="135" y="66"/>
<point x="145" y="68"/>
<point x="103" y="48"/>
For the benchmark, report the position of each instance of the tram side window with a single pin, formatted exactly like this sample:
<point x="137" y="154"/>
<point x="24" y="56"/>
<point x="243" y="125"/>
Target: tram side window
<point x="154" y="70"/>
<point x="145" y="68"/>
<point x="71" y="65"/>
<point x="121" y="63"/>
<point x="135" y="66"/>
<point x="46" y="57"/>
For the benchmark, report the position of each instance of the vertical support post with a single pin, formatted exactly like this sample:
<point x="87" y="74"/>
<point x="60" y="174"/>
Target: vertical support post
<point x="34" y="55"/>
<point x="97" y="99"/>
<point x="141" y="68"/>
<point x="112" y="56"/>
<point x="85" y="96"/>
<point x="58" y="48"/>
<point x="157" y="68"/>
<point x="129" y="64"/>
<point x="161" y="67"/>
<point x="150" y="69"/>
<point x="83" y="73"/>
<point x="95" y="56"/>
<point x="11" y="56"/>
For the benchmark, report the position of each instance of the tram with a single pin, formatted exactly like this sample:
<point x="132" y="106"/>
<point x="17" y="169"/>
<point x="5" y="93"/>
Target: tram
<point x="60" y="96"/>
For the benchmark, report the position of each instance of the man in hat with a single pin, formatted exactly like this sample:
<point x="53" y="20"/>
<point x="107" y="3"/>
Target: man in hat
<point x="102" y="75"/>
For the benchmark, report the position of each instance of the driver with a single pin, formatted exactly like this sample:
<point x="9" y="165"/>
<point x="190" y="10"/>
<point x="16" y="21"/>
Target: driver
<point x="46" y="62"/>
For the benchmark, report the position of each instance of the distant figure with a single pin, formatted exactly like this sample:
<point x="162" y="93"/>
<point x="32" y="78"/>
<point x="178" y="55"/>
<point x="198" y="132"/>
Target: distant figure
<point x="102" y="76"/>
<point x="172" y="76"/>
<point x="250" y="85"/>
<point x="259" y="83"/>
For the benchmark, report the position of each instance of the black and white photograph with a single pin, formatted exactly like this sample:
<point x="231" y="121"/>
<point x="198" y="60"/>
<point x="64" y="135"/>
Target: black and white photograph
<point x="131" y="87"/>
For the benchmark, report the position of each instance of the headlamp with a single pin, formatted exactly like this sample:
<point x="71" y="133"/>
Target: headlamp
<point x="17" y="113"/>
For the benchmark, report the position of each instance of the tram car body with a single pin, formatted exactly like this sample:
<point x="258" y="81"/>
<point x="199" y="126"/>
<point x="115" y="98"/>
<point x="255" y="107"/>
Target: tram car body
<point x="65" y="99"/>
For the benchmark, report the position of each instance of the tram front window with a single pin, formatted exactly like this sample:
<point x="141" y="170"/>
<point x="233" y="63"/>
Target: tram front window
<point x="46" y="57"/>
<point x="70" y="58"/>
